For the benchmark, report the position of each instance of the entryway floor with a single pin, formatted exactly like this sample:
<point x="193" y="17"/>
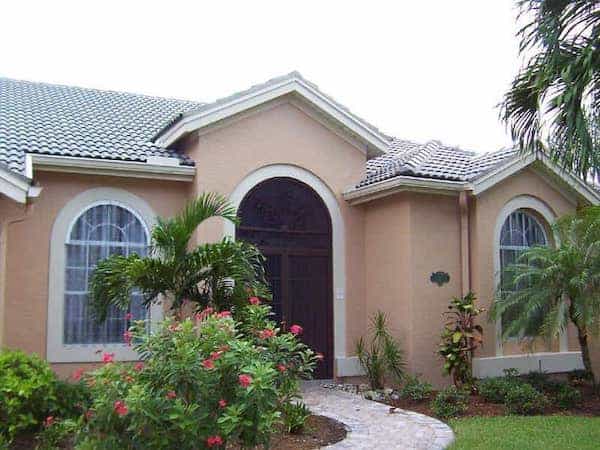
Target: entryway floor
<point x="371" y="425"/>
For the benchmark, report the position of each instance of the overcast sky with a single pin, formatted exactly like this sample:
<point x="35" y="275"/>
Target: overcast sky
<point x="416" y="69"/>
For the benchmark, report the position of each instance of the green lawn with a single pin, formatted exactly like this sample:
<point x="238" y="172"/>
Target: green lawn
<point x="525" y="433"/>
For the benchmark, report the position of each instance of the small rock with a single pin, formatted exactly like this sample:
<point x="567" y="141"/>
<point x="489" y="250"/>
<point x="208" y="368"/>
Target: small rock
<point x="395" y="397"/>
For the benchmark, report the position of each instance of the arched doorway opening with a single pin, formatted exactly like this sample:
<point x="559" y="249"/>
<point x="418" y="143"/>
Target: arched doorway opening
<point x="290" y="224"/>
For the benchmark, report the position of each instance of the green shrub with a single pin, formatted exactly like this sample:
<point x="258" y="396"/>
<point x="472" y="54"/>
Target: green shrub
<point x="415" y="389"/>
<point x="450" y="402"/>
<point x="72" y="399"/>
<point x="27" y="392"/>
<point x="524" y="399"/>
<point x="542" y="382"/>
<point x="56" y="434"/>
<point x="494" y="390"/>
<point x="295" y="415"/>
<point x="579" y="377"/>
<point x="566" y="397"/>
<point x="383" y="357"/>
<point x="204" y="382"/>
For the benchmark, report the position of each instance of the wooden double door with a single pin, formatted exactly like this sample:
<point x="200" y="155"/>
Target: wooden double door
<point x="290" y="224"/>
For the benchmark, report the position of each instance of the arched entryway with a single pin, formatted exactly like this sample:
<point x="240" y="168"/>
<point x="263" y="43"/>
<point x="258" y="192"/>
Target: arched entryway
<point x="290" y="223"/>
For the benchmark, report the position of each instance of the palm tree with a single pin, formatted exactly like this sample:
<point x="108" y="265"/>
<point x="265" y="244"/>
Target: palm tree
<point x="552" y="105"/>
<point x="549" y="287"/>
<point x="217" y="274"/>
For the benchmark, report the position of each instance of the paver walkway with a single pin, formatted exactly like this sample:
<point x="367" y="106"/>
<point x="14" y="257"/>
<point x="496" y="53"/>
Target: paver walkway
<point x="372" y="426"/>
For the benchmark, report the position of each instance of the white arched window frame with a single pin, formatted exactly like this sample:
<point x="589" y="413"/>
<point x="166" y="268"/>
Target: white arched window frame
<point x="539" y="212"/>
<point x="61" y="348"/>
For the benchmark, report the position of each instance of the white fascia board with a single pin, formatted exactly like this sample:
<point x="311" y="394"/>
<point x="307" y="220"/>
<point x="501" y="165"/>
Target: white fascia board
<point x="491" y="179"/>
<point x="394" y="185"/>
<point x="13" y="186"/>
<point x="271" y="92"/>
<point x="131" y="169"/>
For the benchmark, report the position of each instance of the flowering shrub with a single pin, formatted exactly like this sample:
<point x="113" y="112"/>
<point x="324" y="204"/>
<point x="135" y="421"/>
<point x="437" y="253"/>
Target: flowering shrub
<point x="204" y="381"/>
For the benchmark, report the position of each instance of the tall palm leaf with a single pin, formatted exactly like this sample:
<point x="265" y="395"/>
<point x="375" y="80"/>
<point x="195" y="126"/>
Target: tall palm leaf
<point x="552" y="105"/>
<point x="550" y="287"/>
<point x="214" y="273"/>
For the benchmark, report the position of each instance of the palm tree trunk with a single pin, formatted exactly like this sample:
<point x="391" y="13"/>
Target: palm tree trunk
<point x="582" y="336"/>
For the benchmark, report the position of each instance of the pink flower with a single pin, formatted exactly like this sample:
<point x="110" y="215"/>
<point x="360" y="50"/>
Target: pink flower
<point x="204" y="313"/>
<point x="171" y="395"/>
<point x="108" y="358"/>
<point x="208" y="364"/>
<point x="266" y="334"/>
<point x="127" y="337"/>
<point x="254" y="301"/>
<point x="224" y="314"/>
<point x="281" y="368"/>
<point x="139" y="366"/>
<point x="128" y="316"/>
<point x="216" y="355"/>
<point x="245" y="380"/>
<point x="214" y="440"/>
<point x="120" y="408"/>
<point x="49" y="421"/>
<point x="222" y="403"/>
<point x="78" y="374"/>
<point x="296" y="329"/>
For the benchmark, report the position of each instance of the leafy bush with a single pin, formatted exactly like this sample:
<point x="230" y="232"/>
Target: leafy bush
<point x="566" y="397"/>
<point x="415" y="389"/>
<point x="579" y="377"/>
<point x="524" y="399"/>
<point x="542" y="382"/>
<point x="450" y="402"/>
<point x="383" y="357"/>
<point x="295" y="415"/>
<point x="460" y="338"/>
<point x="56" y="433"/>
<point x="27" y="392"/>
<point x="494" y="389"/>
<point x="72" y="399"/>
<point x="204" y="382"/>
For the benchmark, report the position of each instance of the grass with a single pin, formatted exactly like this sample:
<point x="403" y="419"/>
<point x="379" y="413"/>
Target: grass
<point x="526" y="433"/>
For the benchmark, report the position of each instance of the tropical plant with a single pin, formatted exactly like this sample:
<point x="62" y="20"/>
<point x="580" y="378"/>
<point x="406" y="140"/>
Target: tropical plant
<point x="204" y="382"/>
<point x="382" y="356"/>
<point x="415" y="389"/>
<point x="295" y="415"/>
<point x="219" y="274"/>
<point x="524" y="399"/>
<point x="552" y="105"/>
<point x="551" y="286"/>
<point x="460" y="338"/>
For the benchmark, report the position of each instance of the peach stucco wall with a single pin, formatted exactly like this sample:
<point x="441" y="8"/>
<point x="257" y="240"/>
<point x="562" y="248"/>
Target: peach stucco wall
<point x="285" y="133"/>
<point x="25" y="281"/>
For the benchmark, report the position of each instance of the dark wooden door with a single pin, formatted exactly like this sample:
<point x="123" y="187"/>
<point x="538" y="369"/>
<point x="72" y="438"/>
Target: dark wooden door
<point x="288" y="221"/>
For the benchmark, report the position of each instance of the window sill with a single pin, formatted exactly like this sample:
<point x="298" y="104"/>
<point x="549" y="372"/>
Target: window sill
<point x="552" y="362"/>
<point x="90" y="353"/>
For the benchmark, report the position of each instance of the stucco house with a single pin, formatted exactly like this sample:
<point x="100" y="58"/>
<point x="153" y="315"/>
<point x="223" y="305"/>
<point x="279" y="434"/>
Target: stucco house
<point x="351" y="220"/>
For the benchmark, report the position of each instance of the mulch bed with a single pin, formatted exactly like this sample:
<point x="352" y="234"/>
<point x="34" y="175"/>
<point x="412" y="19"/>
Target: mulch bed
<point x="320" y="431"/>
<point x="590" y="406"/>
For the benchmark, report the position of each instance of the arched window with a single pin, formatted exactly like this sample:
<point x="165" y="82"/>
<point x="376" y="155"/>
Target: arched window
<point x="102" y="230"/>
<point x="521" y="230"/>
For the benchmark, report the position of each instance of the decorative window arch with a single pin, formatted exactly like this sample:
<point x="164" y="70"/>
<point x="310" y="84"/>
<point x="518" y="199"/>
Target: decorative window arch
<point x="522" y="223"/>
<point x="92" y="226"/>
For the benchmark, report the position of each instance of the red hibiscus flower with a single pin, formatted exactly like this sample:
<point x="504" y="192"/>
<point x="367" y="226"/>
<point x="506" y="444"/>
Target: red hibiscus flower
<point x="254" y="301"/>
<point x="216" y="355"/>
<point x="296" y="329"/>
<point x="139" y="366"/>
<point x="224" y="314"/>
<point x="245" y="380"/>
<point x="49" y="421"/>
<point x="171" y="395"/>
<point x="266" y="334"/>
<point x="120" y="408"/>
<point x="108" y="358"/>
<point x="208" y="364"/>
<point x="214" y="440"/>
<point x="281" y="368"/>
<point x="78" y="374"/>
<point x="204" y="313"/>
<point x="222" y="403"/>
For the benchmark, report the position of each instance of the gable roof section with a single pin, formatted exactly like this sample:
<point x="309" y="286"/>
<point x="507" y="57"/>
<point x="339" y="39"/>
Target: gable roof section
<point x="66" y="121"/>
<point x="290" y="84"/>
<point x="434" y="167"/>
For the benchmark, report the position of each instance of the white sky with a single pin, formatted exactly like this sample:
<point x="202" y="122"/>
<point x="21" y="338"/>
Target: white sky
<point x="419" y="70"/>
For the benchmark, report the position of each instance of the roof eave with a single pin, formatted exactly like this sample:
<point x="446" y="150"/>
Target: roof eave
<point x="13" y="185"/>
<point x="355" y="196"/>
<point x="290" y="85"/>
